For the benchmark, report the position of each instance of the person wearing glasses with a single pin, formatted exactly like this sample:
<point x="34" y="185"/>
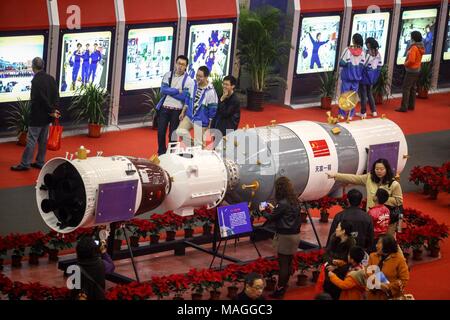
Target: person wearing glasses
<point x="253" y="287"/>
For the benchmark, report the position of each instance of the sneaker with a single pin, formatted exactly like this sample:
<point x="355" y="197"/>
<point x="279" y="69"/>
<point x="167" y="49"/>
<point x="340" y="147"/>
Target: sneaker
<point x="35" y="165"/>
<point x="350" y="118"/>
<point x="19" y="168"/>
<point x="374" y="114"/>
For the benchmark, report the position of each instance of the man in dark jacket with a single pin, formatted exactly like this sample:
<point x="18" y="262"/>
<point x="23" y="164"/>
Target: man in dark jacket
<point x="229" y="110"/>
<point x="44" y="97"/>
<point x="253" y="287"/>
<point x="360" y="220"/>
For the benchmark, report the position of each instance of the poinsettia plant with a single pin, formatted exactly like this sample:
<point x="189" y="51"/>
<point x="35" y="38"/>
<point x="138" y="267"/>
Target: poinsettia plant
<point x="160" y="287"/>
<point x="178" y="283"/>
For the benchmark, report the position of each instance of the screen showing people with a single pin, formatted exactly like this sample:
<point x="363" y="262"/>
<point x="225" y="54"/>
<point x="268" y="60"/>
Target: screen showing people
<point x="210" y="45"/>
<point x="16" y="54"/>
<point x="84" y="59"/>
<point x="149" y="57"/>
<point x="318" y="44"/>
<point x="447" y="40"/>
<point x="373" y="25"/>
<point x="234" y="219"/>
<point x="423" y="21"/>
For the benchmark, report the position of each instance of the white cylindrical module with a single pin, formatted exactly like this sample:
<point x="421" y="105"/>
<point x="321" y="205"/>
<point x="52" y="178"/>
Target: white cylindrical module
<point x="198" y="177"/>
<point x="371" y="132"/>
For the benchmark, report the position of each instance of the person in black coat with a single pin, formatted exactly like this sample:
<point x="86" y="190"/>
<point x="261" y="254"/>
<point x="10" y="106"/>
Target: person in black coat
<point x="44" y="97"/>
<point x="362" y="223"/>
<point x="229" y="110"/>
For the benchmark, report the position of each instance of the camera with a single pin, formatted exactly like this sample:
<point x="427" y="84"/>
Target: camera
<point x="97" y="242"/>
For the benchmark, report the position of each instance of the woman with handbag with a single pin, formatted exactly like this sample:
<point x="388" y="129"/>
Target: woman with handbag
<point x="392" y="264"/>
<point x="380" y="176"/>
<point x="286" y="218"/>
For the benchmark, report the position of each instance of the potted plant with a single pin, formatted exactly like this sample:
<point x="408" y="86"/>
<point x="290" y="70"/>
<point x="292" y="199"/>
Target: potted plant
<point x="217" y="83"/>
<point x="188" y="226"/>
<point x="303" y="265"/>
<point x="381" y="87"/>
<point x="424" y="81"/>
<point x="90" y="103"/>
<point x="327" y="90"/>
<point x="260" y="47"/>
<point x="19" y="119"/>
<point x="151" y="100"/>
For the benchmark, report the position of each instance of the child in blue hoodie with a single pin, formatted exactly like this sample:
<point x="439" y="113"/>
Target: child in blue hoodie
<point x="371" y="73"/>
<point x="352" y="65"/>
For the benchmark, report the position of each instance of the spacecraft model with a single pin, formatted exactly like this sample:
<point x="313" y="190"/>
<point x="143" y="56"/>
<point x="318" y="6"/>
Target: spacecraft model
<point x="242" y="168"/>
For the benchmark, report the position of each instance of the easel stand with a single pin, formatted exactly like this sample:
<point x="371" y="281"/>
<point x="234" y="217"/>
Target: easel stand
<point x="305" y="206"/>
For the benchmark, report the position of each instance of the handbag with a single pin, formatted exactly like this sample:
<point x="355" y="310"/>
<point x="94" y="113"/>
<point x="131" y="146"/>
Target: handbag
<point x="54" y="136"/>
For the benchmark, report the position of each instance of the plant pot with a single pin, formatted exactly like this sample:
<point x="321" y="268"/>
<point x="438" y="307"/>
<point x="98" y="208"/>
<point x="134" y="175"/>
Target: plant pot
<point x="53" y="255"/>
<point x="214" y="295"/>
<point x="434" y="252"/>
<point x="232" y="292"/>
<point x="304" y="217"/>
<point x="207" y="229"/>
<point x="170" y="235"/>
<point x="154" y="239"/>
<point x="325" y="103"/>
<point x="426" y="189"/>
<point x="188" y="233"/>
<point x="379" y="99"/>
<point x="324" y="216"/>
<point x="22" y="139"/>
<point x="16" y="261"/>
<point x="134" y="241"/>
<point x="255" y="100"/>
<point x="117" y="244"/>
<point x="315" y="276"/>
<point x="422" y="93"/>
<point x="302" y="280"/>
<point x="417" y="254"/>
<point x="434" y="194"/>
<point x="94" y="130"/>
<point x="270" y="284"/>
<point x="197" y="296"/>
<point x="33" y="259"/>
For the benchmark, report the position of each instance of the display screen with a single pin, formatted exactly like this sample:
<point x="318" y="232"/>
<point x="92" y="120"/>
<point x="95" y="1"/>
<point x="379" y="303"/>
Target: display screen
<point x="149" y="57"/>
<point x="234" y="220"/>
<point x="318" y="44"/>
<point x="447" y="40"/>
<point x="16" y="54"/>
<point x="84" y="59"/>
<point x="210" y="45"/>
<point x="423" y="21"/>
<point x="375" y="25"/>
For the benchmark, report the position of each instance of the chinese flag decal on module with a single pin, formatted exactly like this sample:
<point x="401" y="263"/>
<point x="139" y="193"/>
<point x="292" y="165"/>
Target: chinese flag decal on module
<point x="320" y="148"/>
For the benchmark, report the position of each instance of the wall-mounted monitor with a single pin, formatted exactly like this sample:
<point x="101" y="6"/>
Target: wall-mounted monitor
<point x="16" y="54"/>
<point x="210" y="45"/>
<point x="375" y="25"/>
<point x="148" y="57"/>
<point x="318" y="44"/>
<point x="447" y="40"/>
<point x="422" y="20"/>
<point x="85" y="58"/>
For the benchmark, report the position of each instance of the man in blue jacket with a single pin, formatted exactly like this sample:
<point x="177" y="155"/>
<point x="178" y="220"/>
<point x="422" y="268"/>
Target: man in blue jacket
<point x="85" y="66"/>
<point x="174" y="89"/>
<point x="96" y="56"/>
<point x="200" y="109"/>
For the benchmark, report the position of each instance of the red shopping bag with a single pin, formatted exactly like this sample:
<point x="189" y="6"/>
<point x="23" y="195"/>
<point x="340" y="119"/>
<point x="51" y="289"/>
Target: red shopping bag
<point x="54" y="136"/>
<point x="319" y="284"/>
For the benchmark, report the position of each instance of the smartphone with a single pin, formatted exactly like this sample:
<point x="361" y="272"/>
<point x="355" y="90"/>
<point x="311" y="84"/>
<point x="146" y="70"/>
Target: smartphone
<point x="97" y="242"/>
<point x="263" y="205"/>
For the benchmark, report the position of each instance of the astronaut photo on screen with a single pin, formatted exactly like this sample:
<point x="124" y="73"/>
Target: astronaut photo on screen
<point x="210" y="46"/>
<point x="84" y="60"/>
<point x="16" y="54"/>
<point x="318" y="44"/>
<point x="447" y="41"/>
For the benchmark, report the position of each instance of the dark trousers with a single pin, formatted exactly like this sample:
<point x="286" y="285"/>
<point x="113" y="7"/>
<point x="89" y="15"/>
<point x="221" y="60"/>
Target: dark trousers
<point x="285" y="264"/>
<point x="409" y="90"/>
<point x="365" y="93"/>
<point x="166" y="118"/>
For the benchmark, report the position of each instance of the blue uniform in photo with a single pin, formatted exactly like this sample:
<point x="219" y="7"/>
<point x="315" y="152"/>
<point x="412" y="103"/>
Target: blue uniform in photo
<point x="200" y="50"/>
<point x="96" y="56"/>
<point x="76" y="60"/>
<point x="315" y="52"/>
<point x="85" y="67"/>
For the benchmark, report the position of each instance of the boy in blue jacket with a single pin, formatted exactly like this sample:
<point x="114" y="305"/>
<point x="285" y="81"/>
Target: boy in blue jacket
<point x="352" y="65"/>
<point x="200" y="108"/>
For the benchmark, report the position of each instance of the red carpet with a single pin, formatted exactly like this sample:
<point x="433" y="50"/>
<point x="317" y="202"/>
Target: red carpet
<point x="428" y="281"/>
<point x="430" y="115"/>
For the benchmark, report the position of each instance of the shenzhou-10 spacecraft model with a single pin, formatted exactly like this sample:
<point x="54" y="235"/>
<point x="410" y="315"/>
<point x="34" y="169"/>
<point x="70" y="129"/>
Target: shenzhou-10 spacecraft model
<point x="242" y="168"/>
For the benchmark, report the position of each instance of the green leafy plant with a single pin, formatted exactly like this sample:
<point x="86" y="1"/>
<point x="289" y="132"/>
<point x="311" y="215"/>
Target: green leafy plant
<point x="217" y="83"/>
<point x="328" y="87"/>
<point x="426" y="72"/>
<point x="261" y="45"/>
<point x="151" y="100"/>
<point x="381" y="87"/>
<point x="90" y="103"/>
<point x="19" y="116"/>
